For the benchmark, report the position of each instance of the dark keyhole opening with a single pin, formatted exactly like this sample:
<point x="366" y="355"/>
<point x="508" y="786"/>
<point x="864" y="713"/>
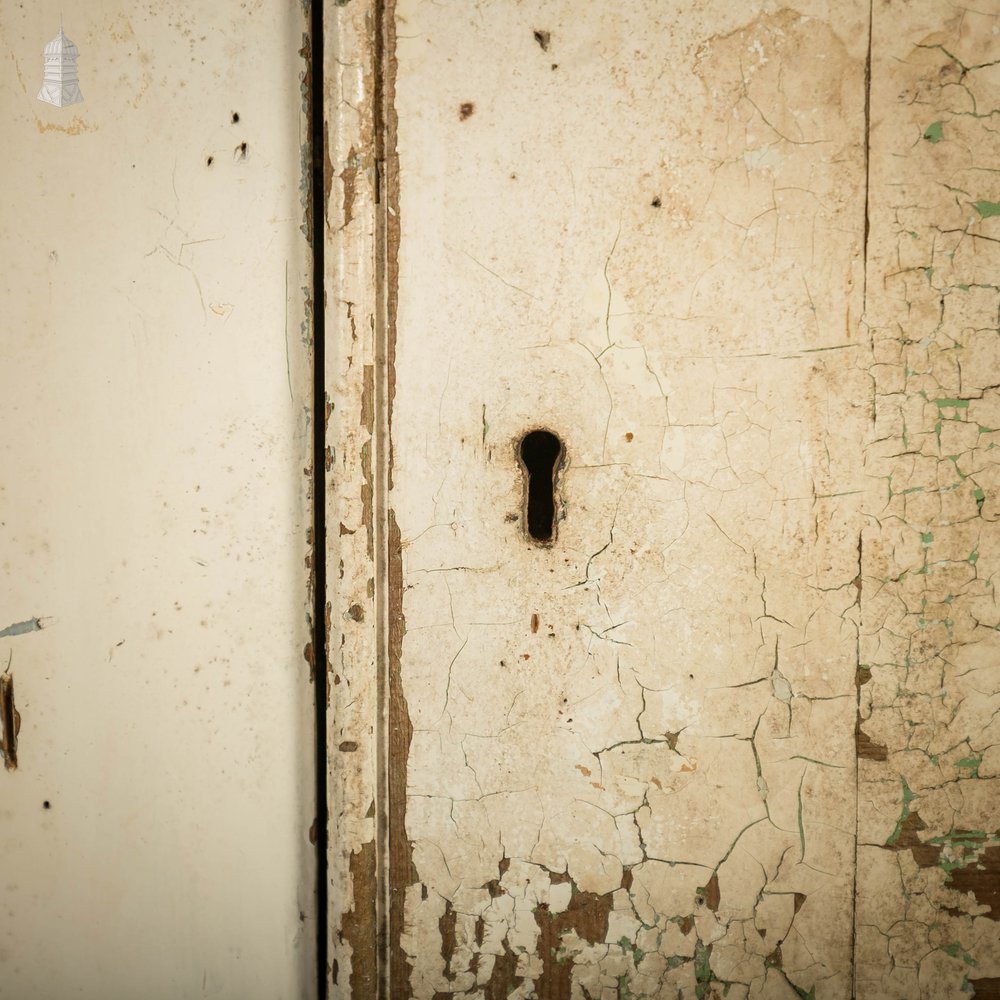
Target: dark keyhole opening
<point x="540" y="452"/>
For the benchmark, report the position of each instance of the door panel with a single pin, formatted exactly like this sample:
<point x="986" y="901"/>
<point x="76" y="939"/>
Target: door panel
<point x="155" y="394"/>
<point x="629" y="755"/>
<point x="730" y="732"/>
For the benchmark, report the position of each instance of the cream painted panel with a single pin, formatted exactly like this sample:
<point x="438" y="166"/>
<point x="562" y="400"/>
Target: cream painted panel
<point x="154" y="394"/>
<point x="632" y="765"/>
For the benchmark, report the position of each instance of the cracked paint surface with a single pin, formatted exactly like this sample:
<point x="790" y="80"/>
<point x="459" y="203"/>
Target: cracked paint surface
<point x="928" y="819"/>
<point x="632" y="764"/>
<point x="733" y="733"/>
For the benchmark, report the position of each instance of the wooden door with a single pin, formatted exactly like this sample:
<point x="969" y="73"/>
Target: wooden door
<point x="730" y="729"/>
<point x="155" y="402"/>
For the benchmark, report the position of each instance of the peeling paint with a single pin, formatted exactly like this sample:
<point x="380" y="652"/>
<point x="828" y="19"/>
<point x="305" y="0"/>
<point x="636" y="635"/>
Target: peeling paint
<point x="10" y="722"/>
<point x="926" y="898"/>
<point x="22" y="628"/>
<point x="355" y="929"/>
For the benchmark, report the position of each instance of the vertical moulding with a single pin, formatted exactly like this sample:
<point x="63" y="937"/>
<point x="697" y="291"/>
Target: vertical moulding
<point x="351" y="412"/>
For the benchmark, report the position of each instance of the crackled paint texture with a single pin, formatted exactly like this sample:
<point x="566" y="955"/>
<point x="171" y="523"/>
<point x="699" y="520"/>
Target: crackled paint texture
<point x="647" y="235"/>
<point x="929" y="675"/>
<point x="731" y="734"/>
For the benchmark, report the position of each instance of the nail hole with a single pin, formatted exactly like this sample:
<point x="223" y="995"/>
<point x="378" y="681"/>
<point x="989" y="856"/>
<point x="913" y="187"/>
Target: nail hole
<point x="541" y="455"/>
<point x="236" y="117"/>
<point x="46" y="804"/>
<point x="210" y="161"/>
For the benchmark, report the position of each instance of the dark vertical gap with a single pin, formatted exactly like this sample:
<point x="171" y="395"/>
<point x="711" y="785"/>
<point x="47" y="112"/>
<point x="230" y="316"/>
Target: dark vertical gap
<point x="868" y="136"/>
<point x="317" y="208"/>
<point x="858" y="680"/>
<point x="383" y="789"/>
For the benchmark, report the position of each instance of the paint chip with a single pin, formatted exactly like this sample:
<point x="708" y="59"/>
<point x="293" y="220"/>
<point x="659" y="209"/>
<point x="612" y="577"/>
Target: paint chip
<point x="21" y="628"/>
<point x="10" y="721"/>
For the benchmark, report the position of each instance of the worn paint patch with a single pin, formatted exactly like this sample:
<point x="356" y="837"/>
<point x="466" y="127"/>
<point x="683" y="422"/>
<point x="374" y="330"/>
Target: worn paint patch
<point x="356" y="927"/>
<point x="586" y="916"/>
<point x="503" y="979"/>
<point x="984" y="988"/>
<point x="348" y="180"/>
<point x="10" y="722"/>
<point x="981" y="878"/>
<point x="402" y="872"/>
<point x="306" y="152"/>
<point x="76" y="127"/>
<point x="22" y="628"/>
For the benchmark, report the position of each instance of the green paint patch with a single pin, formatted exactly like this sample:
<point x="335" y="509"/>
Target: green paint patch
<point x="927" y="537"/>
<point x="973" y="557"/>
<point x="972" y="763"/>
<point x="702" y="970"/>
<point x="637" y="953"/>
<point x="903" y="816"/>
<point x="956" y="404"/>
<point x="986" y="209"/>
<point x="955" y="950"/>
<point x="934" y="132"/>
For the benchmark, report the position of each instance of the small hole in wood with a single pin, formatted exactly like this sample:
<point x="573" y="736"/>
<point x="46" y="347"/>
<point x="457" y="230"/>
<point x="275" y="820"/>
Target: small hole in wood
<point x="541" y="455"/>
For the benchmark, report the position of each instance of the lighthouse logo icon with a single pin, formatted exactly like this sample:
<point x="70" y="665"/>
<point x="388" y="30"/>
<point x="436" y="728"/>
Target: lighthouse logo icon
<point x="60" y="85"/>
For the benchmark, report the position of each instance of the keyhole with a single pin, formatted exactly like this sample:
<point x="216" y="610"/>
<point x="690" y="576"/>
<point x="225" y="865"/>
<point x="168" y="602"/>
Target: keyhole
<point x="541" y="452"/>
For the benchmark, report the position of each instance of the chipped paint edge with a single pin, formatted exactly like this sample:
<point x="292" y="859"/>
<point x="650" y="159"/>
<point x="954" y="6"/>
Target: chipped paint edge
<point x="354" y="502"/>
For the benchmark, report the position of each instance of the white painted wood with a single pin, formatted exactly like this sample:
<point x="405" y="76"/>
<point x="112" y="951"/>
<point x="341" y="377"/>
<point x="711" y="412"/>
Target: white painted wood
<point x="154" y="404"/>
